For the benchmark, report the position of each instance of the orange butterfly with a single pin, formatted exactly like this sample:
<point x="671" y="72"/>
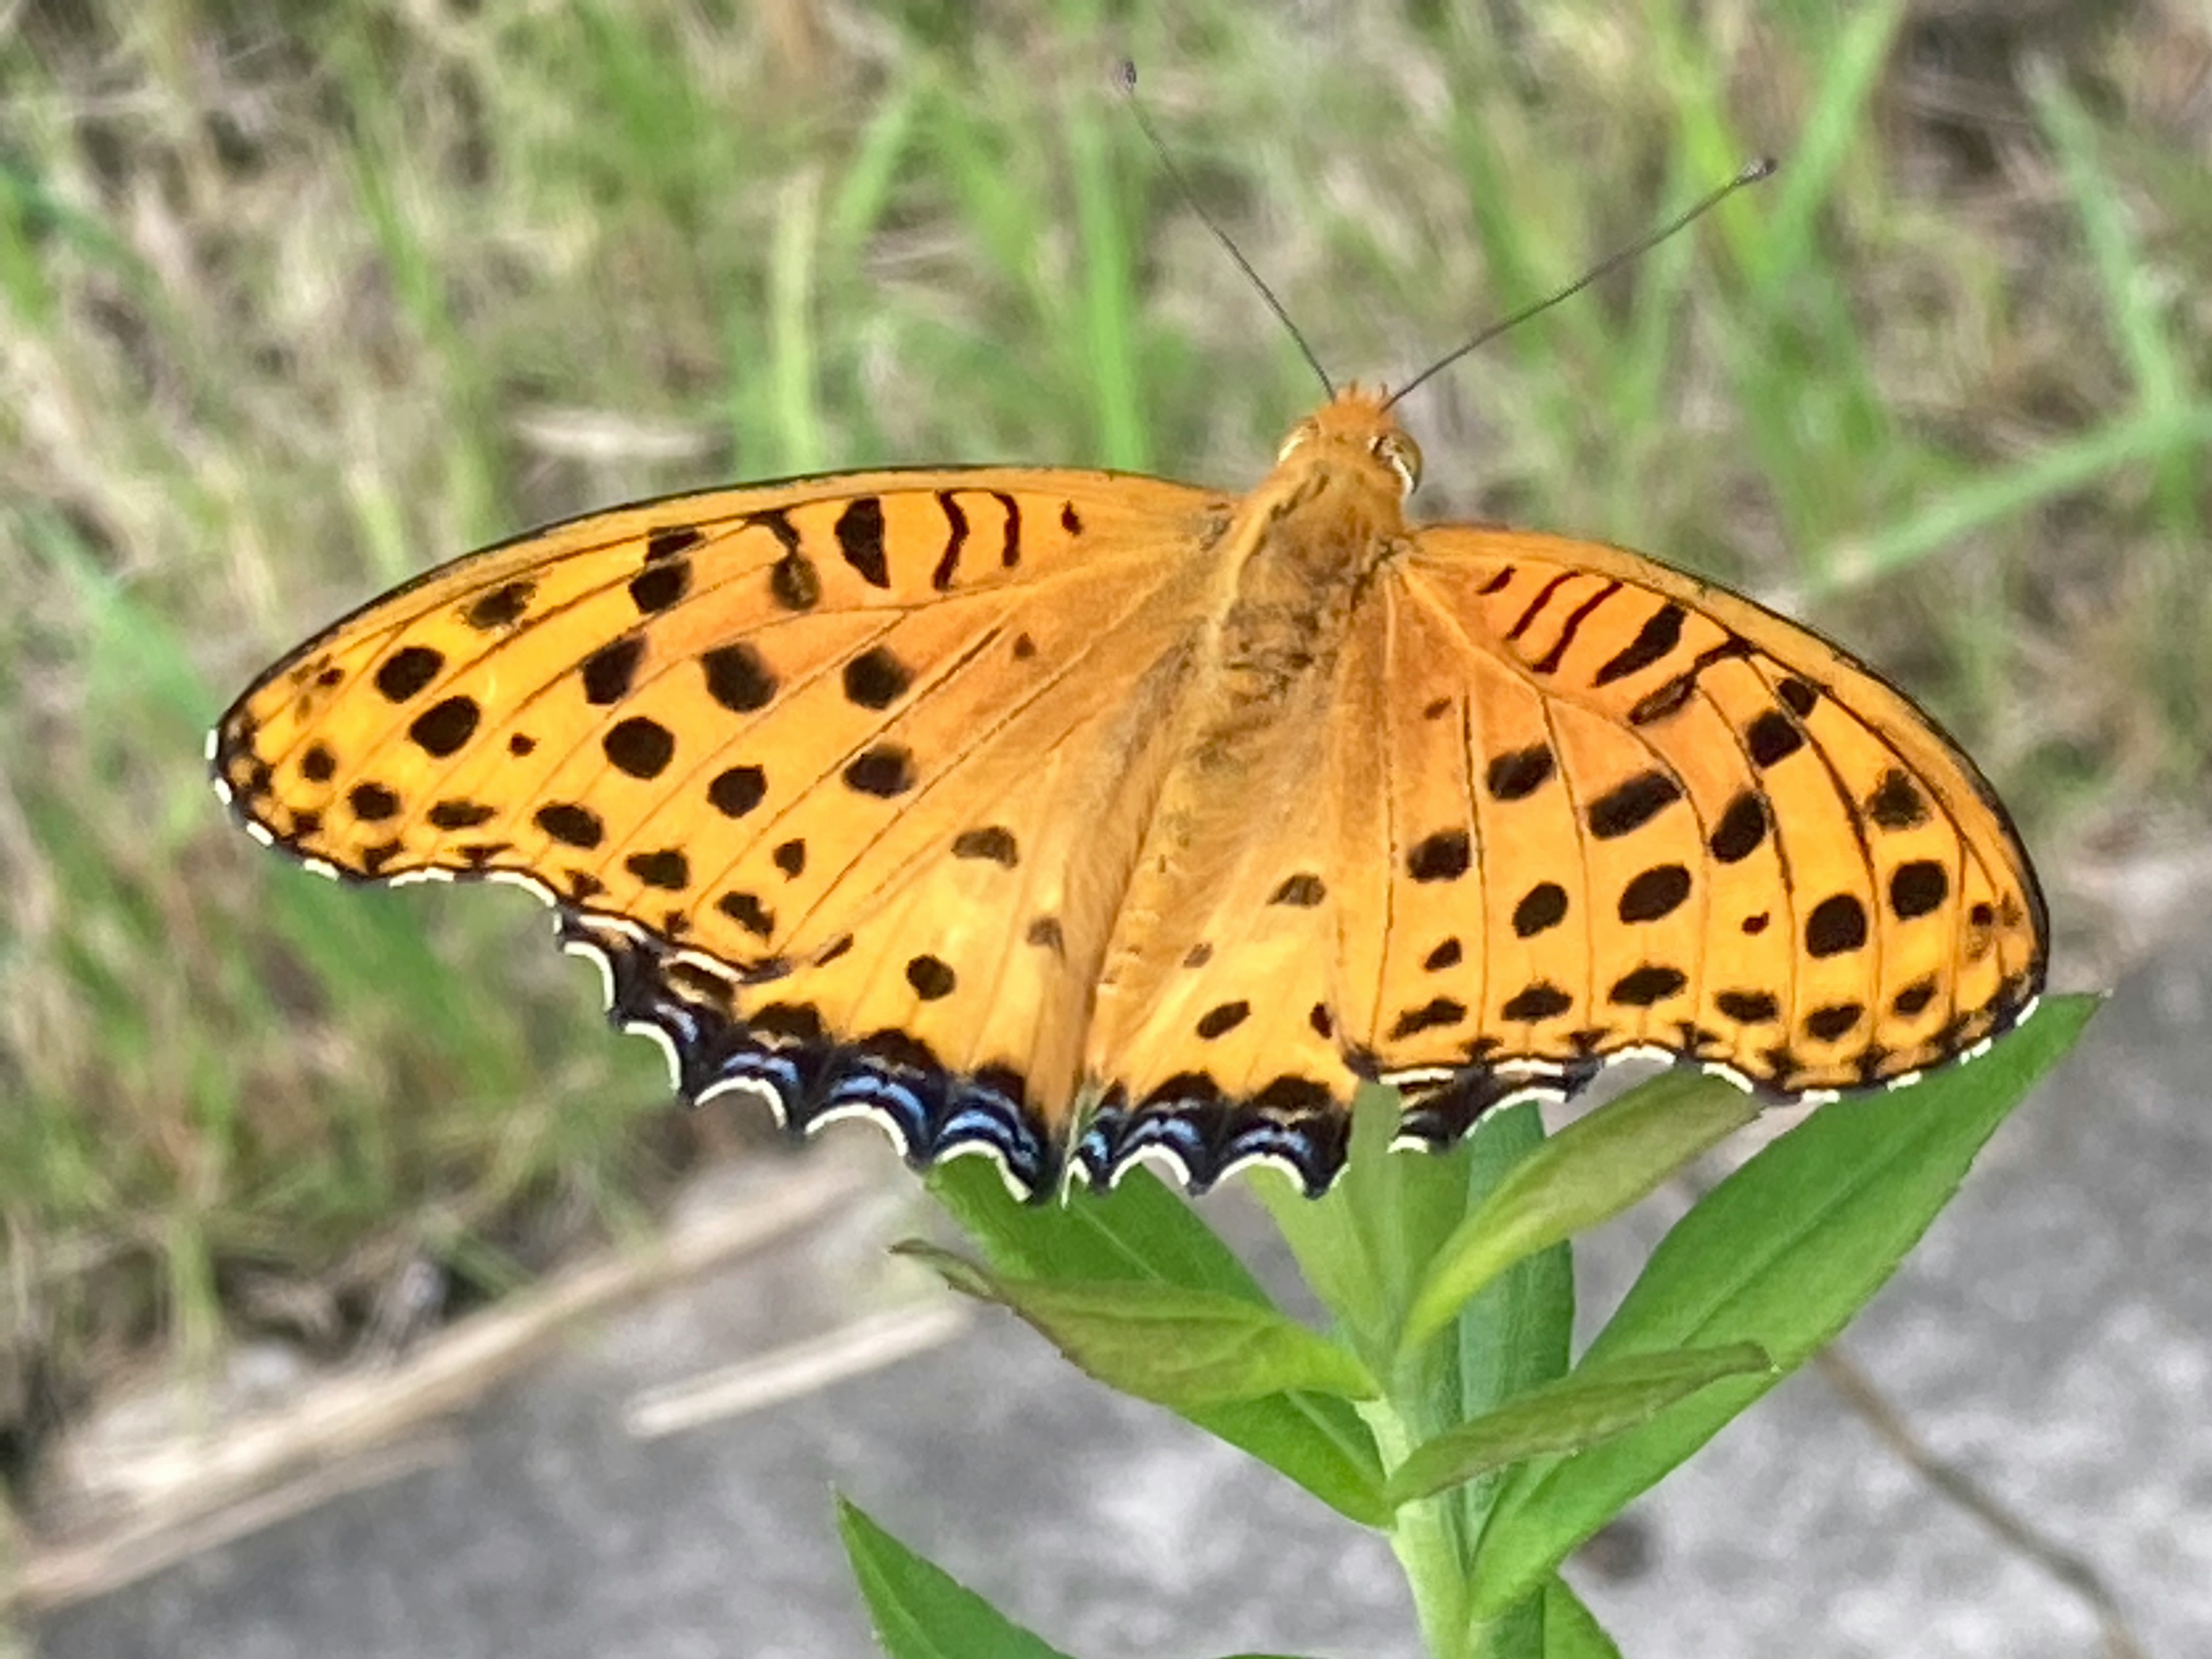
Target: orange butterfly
<point x="1068" y="816"/>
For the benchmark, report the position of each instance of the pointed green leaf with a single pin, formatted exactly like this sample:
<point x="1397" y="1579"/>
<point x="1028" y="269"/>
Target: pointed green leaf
<point x="921" y="1611"/>
<point x="1317" y="1440"/>
<point x="1363" y="1245"/>
<point x="1145" y="1233"/>
<point x="1593" y="1404"/>
<point x="1589" y="1171"/>
<point x="1570" y="1630"/>
<point x="1142" y="1229"/>
<point x="1782" y="1253"/>
<point x="1180" y="1348"/>
<point x="1517" y="1332"/>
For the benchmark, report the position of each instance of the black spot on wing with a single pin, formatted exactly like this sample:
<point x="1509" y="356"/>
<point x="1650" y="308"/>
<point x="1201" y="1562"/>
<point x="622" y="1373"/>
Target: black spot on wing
<point x="1741" y="829"/>
<point x="658" y="586"/>
<point x="1834" y="1022"/>
<point x="1520" y="773"/>
<point x="1747" y="1007"/>
<point x="570" y="824"/>
<point x="639" y="747"/>
<point x="1642" y="987"/>
<point x="1914" y="999"/>
<point x="749" y="913"/>
<point x="371" y="803"/>
<point x="1630" y="805"/>
<point x="1439" y="1012"/>
<point x="407" y="671"/>
<point x="664" y="868"/>
<point x="992" y="841"/>
<point x="459" y="814"/>
<point x="1654" y="893"/>
<point x="1660" y="633"/>
<point x="860" y="539"/>
<point x="610" y="671"/>
<point x="669" y="540"/>
<point x="1896" y="803"/>
<point x="501" y="608"/>
<point x="1543" y="906"/>
<point x="1917" y="888"/>
<point x="1219" y="1021"/>
<point x="443" y="729"/>
<point x="884" y="771"/>
<point x="931" y="977"/>
<point x="737" y="791"/>
<point x="1444" y="856"/>
<point x="1837" y="924"/>
<point x="1773" y="737"/>
<point x="877" y="679"/>
<point x="1539" y="1000"/>
<point x="737" y="677"/>
<point x="956" y="537"/>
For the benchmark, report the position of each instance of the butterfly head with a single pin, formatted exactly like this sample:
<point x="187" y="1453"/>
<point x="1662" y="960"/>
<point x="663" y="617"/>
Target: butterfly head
<point x="1357" y="430"/>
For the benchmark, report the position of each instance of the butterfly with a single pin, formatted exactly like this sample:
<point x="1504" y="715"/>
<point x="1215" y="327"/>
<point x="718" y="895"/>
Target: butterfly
<point x="1075" y="818"/>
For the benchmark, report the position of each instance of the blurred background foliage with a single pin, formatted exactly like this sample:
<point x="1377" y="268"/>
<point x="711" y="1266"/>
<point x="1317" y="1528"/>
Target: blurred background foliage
<point x="299" y="296"/>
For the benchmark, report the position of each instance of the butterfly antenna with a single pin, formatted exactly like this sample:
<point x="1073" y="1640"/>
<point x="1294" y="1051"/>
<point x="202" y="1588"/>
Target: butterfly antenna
<point x="1126" y="79"/>
<point x="1761" y="168"/>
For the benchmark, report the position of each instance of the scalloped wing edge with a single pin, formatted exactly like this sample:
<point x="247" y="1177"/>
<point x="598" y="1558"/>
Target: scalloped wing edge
<point x="1194" y="1134"/>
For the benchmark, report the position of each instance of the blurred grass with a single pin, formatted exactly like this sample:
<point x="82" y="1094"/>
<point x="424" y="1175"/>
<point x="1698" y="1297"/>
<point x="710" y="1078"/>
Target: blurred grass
<point x="300" y="298"/>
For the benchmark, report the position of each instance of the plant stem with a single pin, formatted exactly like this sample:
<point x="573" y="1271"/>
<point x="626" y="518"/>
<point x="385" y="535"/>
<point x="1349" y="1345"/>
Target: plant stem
<point x="1425" y="1536"/>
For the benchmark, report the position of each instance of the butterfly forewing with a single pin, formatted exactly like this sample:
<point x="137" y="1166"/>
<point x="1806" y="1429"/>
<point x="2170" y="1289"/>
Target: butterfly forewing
<point x="836" y="745"/>
<point x="1687" y="824"/>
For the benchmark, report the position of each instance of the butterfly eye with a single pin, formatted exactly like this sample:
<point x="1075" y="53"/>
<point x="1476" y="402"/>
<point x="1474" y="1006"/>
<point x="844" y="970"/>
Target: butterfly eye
<point x="1401" y="455"/>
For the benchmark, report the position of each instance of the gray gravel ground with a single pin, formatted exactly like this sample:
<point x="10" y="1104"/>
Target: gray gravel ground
<point x="2053" y="1338"/>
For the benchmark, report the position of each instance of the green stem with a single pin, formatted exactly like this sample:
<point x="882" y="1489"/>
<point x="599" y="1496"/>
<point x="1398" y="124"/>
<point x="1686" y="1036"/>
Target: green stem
<point x="1425" y="1534"/>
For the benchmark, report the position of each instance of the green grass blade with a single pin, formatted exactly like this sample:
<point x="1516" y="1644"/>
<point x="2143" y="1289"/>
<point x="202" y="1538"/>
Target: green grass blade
<point x="2059" y="470"/>
<point x="1832" y="131"/>
<point x="2132" y="296"/>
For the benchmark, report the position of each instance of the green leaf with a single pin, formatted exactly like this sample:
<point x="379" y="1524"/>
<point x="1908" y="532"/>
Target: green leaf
<point x="1590" y="1171"/>
<point x="1180" y="1348"/>
<point x="1363" y="1245"/>
<point x="1144" y="1233"/>
<point x="1782" y="1253"/>
<point x="921" y="1611"/>
<point x="1570" y="1630"/>
<point x="1141" y="1231"/>
<point x="1594" y="1404"/>
<point x="1517" y="1331"/>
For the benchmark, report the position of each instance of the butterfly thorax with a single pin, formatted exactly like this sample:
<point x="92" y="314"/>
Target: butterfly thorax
<point x="1294" y="565"/>
<point x="1298" y="557"/>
